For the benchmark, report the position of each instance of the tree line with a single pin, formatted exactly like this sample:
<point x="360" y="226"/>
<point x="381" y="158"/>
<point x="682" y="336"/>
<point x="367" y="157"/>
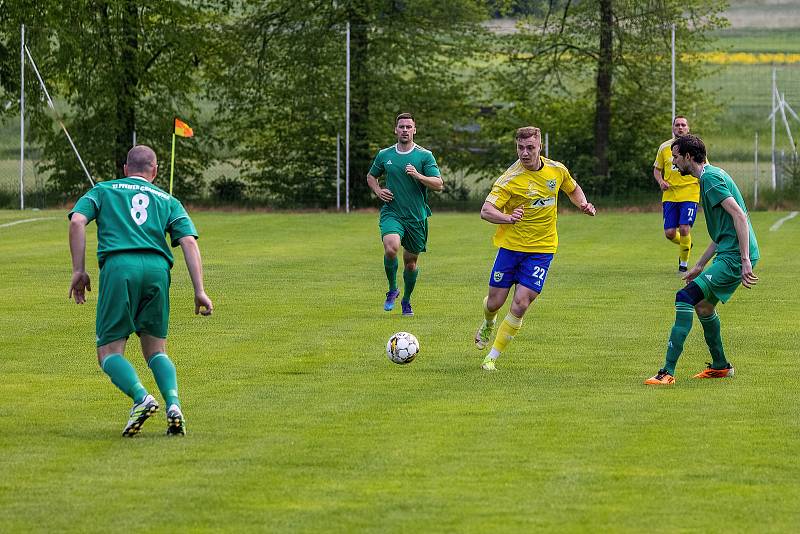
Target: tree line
<point x="263" y="85"/>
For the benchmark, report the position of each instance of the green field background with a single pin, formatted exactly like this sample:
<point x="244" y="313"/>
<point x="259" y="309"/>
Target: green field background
<point x="298" y="422"/>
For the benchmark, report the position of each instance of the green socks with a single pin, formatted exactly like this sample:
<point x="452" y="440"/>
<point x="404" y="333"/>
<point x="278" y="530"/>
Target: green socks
<point x="166" y="378"/>
<point x="683" y="324"/>
<point x="124" y="376"/>
<point x="711" y="331"/>
<point x="409" y="281"/>
<point x="391" y="272"/>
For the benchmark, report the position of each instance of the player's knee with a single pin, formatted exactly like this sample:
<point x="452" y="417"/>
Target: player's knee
<point x="669" y="234"/>
<point x="691" y="294"/>
<point x="704" y="309"/>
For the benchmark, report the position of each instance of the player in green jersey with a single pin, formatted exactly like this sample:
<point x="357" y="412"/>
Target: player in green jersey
<point x="133" y="217"/>
<point x="735" y="251"/>
<point x="410" y="171"/>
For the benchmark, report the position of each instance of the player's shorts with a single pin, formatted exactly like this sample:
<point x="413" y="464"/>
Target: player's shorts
<point x="719" y="281"/>
<point x="679" y="213"/>
<point x="134" y="296"/>
<point x="413" y="235"/>
<point x="526" y="268"/>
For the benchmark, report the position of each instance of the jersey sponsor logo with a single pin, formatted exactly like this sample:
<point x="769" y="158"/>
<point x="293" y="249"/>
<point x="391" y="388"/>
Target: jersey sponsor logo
<point x="551" y="185"/>
<point x="498" y="276"/>
<point x="543" y="202"/>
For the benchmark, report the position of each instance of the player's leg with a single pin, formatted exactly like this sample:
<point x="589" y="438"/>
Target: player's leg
<point x="152" y="323"/>
<point x="414" y="242"/>
<point x="686" y="218"/>
<point x="671" y="213"/>
<point x="410" y="273"/>
<point x="685" y="301"/>
<point x="530" y="275"/>
<point x="120" y="280"/>
<point x="392" y="232"/>
<point x="501" y="279"/>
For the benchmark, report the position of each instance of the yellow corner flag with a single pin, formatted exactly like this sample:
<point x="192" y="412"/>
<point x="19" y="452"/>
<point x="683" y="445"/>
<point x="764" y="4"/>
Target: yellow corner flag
<point x="181" y="129"/>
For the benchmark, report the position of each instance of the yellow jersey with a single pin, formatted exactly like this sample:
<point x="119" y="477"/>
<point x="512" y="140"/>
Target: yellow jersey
<point x="537" y="191"/>
<point x="682" y="187"/>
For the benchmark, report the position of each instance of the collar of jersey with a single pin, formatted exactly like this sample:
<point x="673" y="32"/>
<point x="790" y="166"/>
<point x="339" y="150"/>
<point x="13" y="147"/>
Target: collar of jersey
<point x="397" y="149"/>
<point x="138" y="178"/>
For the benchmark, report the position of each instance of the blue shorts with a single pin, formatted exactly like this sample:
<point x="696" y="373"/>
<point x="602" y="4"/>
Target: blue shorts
<point x="679" y="213"/>
<point x="526" y="268"/>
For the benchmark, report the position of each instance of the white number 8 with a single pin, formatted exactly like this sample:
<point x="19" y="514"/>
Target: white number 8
<point x="139" y="204"/>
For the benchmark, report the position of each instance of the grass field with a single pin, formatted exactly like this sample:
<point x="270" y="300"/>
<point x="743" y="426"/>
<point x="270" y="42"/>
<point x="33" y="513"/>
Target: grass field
<point x="298" y="422"/>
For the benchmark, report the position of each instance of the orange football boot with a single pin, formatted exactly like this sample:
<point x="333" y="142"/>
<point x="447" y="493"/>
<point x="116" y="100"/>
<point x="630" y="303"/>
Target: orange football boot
<point x="662" y="378"/>
<point x="715" y="373"/>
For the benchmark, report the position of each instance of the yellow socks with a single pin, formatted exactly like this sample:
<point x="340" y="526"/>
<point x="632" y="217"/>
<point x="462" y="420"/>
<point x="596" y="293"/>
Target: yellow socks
<point x="489" y="316"/>
<point x="686" y="246"/>
<point x="508" y="329"/>
<point x="676" y="238"/>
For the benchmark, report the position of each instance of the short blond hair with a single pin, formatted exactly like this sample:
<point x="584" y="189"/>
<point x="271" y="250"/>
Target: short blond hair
<point x="528" y="131"/>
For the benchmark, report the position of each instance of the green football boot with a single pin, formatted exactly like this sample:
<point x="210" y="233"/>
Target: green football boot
<point x="140" y="413"/>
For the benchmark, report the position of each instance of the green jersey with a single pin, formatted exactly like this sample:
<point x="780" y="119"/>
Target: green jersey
<point x="410" y="202"/>
<point x="715" y="186"/>
<point x="134" y="215"/>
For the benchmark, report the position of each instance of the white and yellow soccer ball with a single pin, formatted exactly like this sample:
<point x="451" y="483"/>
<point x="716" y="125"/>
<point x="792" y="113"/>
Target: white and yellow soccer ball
<point x="402" y="348"/>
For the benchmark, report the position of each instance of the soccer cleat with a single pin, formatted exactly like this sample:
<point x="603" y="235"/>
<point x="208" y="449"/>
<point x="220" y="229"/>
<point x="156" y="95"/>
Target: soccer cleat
<point x="682" y="268"/>
<point x="391" y="296"/>
<point x="407" y="311"/>
<point x="488" y="364"/>
<point x="710" y="372"/>
<point x="661" y="378"/>
<point x="176" y="424"/>
<point x="139" y="414"/>
<point x="483" y="334"/>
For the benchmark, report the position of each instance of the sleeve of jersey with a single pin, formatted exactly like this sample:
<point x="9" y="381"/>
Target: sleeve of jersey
<point x="716" y="190"/>
<point x="88" y="205"/>
<point x="180" y="225"/>
<point x="659" y="162"/>
<point x="568" y="183"/>
<point x="430" y="168"/>
<point x="498" y="195"/>
<point x="376" y="169"/>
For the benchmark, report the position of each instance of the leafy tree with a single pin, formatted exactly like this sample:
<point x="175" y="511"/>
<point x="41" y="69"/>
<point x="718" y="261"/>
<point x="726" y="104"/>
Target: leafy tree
<point x="115" y="67"/>
<point x="282" y="87"/>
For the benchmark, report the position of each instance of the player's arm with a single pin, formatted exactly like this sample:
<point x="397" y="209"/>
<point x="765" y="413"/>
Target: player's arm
<point x="658" y="174"/>
<point x="749" y="279"/>
<point x="431" y="182"/>
<point x="578" y="198"/>
<point x="80" y="282"/>
<point x="698" y="267"/>
<point x="191" y="253"/>
<point x="490" y="212"/>
<point x="382" y="193"/>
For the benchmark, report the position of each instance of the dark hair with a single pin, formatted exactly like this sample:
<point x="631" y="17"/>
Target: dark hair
<point x="679" y="117"/>
<point x="527" y="132"/>
<point x="692" y="145"/>
<point x="141" y="158"/>
<point x="404" y="116"/>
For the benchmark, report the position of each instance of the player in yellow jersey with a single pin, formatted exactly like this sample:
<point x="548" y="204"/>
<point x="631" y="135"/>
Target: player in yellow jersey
<point x="524" y="203"/>
<point x="681" y="193"/>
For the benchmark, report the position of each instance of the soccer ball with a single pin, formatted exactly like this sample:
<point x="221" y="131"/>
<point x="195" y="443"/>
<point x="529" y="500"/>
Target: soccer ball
<point x="402" y="348"/>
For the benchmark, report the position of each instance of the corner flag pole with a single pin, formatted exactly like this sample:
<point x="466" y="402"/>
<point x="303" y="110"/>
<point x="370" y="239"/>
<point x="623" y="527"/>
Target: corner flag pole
<point x="172" y="160"/>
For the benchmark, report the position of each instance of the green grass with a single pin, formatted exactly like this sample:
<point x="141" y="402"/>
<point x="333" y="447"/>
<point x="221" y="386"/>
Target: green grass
<point x="298" y="422"/>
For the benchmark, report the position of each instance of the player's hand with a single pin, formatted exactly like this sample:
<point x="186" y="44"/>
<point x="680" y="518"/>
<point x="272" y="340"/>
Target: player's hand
<point x="411" y="170"/>
<point x="516" y="215"/>
<point x="692" y="273"/>
<point x="749" y="279"/>
<point x="385" y="195"/>
<point x="588" y="208"/>
<point x="79" y="285"/>
<point x="203" y="304"/>
<point x="664" y="185"/>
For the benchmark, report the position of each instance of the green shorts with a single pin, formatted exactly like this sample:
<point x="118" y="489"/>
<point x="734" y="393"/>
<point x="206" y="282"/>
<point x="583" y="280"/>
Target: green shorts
<point x="134" y="296"/>
<point x="413" y="236"/>
<point x="719" y="281"/>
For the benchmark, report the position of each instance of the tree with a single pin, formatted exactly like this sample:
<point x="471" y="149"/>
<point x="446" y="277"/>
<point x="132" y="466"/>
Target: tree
<point x="599" y="75"/>
<point x="115" y="67"/>
<point x="282" y="88"/>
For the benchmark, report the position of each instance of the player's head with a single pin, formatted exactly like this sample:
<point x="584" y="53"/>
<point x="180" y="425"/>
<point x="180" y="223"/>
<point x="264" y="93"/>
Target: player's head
<point x="686" y="150"/>
<point x="141" y="162"/>
<point x="680" y="126"/>
<point x="405" y="127"/>
<point x="529" y="146"/>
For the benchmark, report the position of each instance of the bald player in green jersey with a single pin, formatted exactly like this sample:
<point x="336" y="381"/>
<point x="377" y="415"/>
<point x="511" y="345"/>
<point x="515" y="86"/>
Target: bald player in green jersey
<point x="734" y="249"/>
<point x="133" y="217"/>
<point x="410" y="172"/>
